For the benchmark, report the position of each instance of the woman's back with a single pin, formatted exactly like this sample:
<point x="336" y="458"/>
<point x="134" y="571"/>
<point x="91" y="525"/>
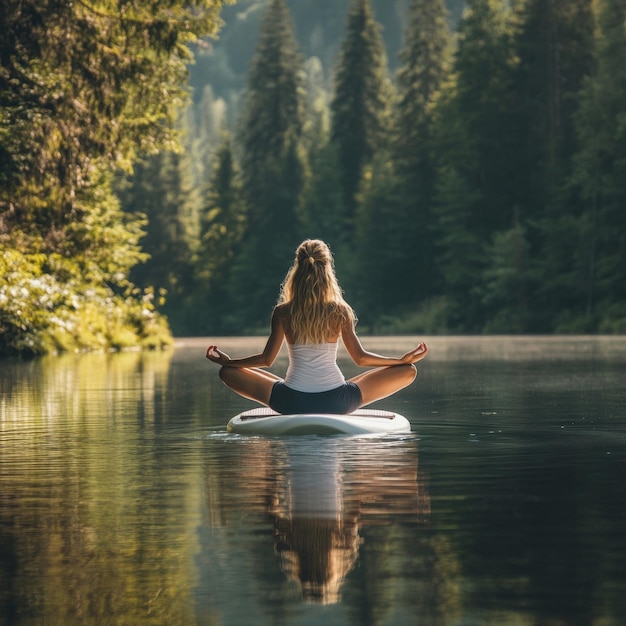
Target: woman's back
<point x="313" y="367"/>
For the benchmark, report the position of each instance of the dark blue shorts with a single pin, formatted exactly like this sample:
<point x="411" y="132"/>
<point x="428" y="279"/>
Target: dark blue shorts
<point x="341" y="400"/>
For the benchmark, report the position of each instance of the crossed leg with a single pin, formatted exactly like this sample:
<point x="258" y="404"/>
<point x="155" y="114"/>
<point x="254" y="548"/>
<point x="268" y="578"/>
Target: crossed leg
<point x="256" y="384"/>
<point x="382" y="382"/>
<point x="252" y="383"/>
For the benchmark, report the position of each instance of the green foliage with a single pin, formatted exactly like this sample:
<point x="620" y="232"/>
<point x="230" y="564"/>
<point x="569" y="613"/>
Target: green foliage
<point x="380" y="274"/>
<point x="506" y="283"/>
<point x="273" y="164"/>
<point x="600" y="166"/>
<point x="424" y="71"/>
<point x="168" y="189"/>
<point x="268" y="241"/>
<point x="323" y="213"/>
<point x="47" y="305"/>
<point x="85" y="85"/>
<point x="482" y="104"/>
<point x="421" y="79"/>
<point x="428" y="318"/>
<point x="222" y="228"/>
<point x="487" y="197"/>
<point x="459" y="250"/>
<point x="84" y="89"/>
<point x="70" y="291"/>
<point x="362" y="98"/>
<point x="554" y="51"/>
<point x="554" y="64"/>
<point x="155" y="191"/>
<point x="273" y="114"/>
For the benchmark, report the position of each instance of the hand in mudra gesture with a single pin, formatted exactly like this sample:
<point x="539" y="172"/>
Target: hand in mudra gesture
<point x="417" y="354"/>
<point x="214" y="354"/>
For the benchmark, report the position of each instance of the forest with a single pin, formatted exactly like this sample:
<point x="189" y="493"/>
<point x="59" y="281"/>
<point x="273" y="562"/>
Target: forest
<point x="467" y="165"/>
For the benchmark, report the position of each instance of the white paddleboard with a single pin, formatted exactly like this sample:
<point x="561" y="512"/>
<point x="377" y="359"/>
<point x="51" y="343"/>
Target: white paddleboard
<point x="264" y="421"/>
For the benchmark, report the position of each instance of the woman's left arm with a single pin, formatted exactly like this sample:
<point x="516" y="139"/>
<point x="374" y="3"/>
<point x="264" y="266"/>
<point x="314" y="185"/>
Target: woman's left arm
<point x="365" y="358"/>
<point x="263" y="359"/>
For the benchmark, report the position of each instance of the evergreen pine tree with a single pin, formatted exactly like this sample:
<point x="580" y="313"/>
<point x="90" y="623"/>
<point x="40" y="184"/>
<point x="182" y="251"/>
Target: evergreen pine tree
<point x="323" y="212"/>
<point x="553" y="45"/>
<point x="379" y="275"/>
<point x="483" y="67"/>
<point x="599" y="175"/>
<point x="222" y="227"/>
<point x="425" y="68"/>
<point x="472" y="200"/>
<point x="272" y="166"/>
<point x="156" y="192"/>
<point x="459" y="250"/>
<point x="555" y="52"/>
<point x="360" y="108"/>
<point x="273" y="101"/>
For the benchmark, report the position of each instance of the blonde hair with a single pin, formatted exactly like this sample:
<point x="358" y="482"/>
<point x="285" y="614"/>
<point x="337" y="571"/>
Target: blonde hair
<point x="317" y="554"/>
<point x="312" y="297"/>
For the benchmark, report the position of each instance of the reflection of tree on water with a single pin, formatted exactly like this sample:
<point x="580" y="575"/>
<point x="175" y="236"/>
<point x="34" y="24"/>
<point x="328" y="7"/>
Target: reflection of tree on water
<point x="80" y="543"/>
<point x="326" y="489"/>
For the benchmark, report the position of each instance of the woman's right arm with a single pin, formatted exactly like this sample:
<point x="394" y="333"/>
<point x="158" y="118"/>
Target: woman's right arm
<point x="263" y="359"/>
<point x="364" y="358"/>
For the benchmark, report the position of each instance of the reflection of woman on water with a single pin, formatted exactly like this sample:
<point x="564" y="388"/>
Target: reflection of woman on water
<point x="327" y="492"/>
<point x="311" y="316"/>
<point x="328" y="501"/>
<point x="315" y="536"/>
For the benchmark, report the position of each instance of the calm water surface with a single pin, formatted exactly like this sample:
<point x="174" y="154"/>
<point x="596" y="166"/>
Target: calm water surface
<point x="123" y="500"/>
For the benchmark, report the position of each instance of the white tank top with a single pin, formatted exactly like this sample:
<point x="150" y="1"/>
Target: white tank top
<point x="313" y="367"/>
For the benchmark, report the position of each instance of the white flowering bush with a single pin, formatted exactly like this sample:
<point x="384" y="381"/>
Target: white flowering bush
<point x="45" y="306"/>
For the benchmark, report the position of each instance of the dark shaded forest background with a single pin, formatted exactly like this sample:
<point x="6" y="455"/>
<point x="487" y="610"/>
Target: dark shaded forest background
<point x="466" y="164"/>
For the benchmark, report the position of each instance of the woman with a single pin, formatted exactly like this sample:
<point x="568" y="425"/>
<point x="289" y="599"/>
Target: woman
<point x="311" y="316"/>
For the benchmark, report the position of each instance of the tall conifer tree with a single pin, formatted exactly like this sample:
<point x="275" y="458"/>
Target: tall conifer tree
<point x="425" y="68"/>
<point x="156" y="191"/>
<point x="323" y="210"/>
<point x="483" y="67"/>
<point x="599" y="261"/>
<point x="222" y="227"/>
<point x="274" y="108"/>
<point x="473" y="128"/>
<point x="554" y="47"/>
<point x="360" y="107"/>
<point x="378" y="279"/>
<point x="272" y="165"/>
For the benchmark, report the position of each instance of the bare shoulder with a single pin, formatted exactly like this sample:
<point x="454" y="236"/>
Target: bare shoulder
<point x="280" y="315"/>
<point x="346" y="313"/>
<point x="280" y="318"/>
<point x="280" y="311"/>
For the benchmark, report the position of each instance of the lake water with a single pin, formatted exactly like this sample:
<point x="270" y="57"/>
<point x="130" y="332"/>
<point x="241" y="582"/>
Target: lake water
<point x="123" y="500"/>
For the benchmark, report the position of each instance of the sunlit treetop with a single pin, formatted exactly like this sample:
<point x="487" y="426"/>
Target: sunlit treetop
<point x="87" y="84"/>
